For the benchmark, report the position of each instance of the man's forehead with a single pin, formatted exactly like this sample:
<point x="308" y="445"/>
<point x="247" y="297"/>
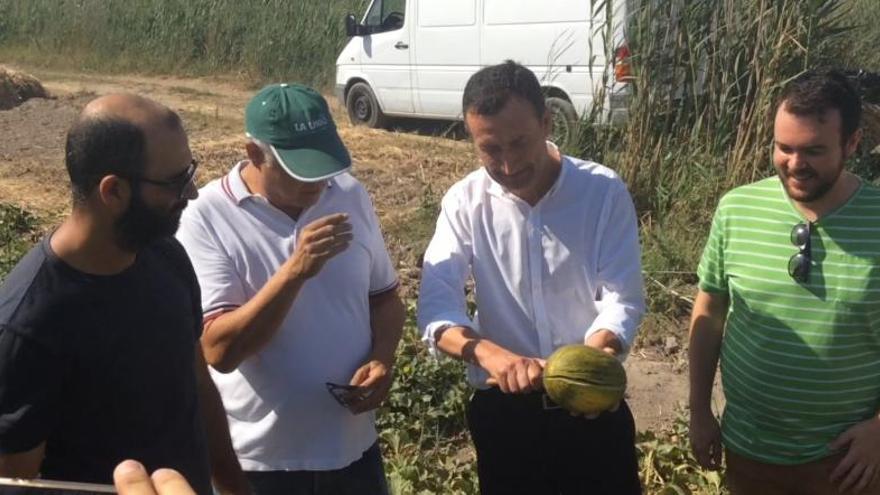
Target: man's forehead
<point x="821" y="115"/>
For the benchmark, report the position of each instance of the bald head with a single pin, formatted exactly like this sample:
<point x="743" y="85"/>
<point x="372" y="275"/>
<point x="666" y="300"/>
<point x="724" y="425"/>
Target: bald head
<point x="113" y="135"/>
<point x="137" y="110"/>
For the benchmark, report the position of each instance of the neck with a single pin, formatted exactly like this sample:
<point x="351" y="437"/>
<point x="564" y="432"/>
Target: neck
<point x="89" y="246"/>
<point x="847" y="184"/>
<point x="553" y="168"/>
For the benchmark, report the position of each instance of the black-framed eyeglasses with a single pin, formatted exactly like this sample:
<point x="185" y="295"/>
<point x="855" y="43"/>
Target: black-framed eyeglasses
<point x="178" y="183"/>
<point x="799" y="263"/>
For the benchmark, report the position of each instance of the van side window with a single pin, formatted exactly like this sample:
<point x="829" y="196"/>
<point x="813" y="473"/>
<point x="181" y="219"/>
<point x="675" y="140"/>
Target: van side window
<point x="386" y="15"/>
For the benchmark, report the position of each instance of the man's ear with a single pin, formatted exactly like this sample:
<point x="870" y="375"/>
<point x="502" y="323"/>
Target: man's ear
<point x="255" y="154"/>
<point x="464" y="124"/>
<point x="852" y="144"/>
<point x="114" y="193"/>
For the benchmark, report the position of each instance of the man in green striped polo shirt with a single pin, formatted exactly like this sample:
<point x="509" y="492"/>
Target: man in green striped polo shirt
<point x="790" y="301"/>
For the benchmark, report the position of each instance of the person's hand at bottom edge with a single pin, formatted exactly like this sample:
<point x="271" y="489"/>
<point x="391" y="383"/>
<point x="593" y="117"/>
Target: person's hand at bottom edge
<point x="131" y="478"/>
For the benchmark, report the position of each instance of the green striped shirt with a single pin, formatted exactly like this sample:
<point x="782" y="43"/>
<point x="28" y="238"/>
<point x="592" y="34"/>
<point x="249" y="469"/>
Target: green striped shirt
<point x="800" y="362"/>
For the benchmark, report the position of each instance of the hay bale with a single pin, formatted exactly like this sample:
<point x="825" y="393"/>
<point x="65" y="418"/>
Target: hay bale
<point x="17" y="87"/>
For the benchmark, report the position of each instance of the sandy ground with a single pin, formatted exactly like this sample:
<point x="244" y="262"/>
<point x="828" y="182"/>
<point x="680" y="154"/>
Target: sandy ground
<point x="405" y="171"/>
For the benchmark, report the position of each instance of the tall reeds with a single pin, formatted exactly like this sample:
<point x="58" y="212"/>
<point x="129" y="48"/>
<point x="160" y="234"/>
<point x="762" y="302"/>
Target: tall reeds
<point x="260" y="39"/>
<point x="705" y="74"/>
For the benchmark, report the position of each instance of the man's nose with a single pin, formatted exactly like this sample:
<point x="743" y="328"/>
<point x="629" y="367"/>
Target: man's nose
<point x="509" y="164"/>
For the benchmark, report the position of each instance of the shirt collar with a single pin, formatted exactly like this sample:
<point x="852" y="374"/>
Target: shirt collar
<point x="233" y="185"/>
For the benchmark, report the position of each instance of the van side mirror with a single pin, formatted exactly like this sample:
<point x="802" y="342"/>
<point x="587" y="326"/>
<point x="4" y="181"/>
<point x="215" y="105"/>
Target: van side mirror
<point x="351" y="26"/>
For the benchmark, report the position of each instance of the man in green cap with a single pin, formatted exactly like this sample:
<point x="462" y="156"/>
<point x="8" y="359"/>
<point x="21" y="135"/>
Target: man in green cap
<point x="299" y="298"/>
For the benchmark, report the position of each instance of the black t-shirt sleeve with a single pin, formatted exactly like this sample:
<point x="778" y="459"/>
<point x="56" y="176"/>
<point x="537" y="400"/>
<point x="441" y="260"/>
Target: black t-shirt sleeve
<point x="30" y="391"/>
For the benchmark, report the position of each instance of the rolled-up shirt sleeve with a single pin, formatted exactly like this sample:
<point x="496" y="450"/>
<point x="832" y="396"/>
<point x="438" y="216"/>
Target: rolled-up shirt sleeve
<point x="621" y="296"/>
<point x="445" y="270"/>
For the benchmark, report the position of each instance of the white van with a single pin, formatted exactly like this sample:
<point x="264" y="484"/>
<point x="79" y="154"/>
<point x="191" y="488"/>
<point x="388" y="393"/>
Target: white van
<point x="412" y="58"/>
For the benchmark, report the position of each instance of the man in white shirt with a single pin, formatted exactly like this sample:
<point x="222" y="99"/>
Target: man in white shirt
<point x="552" y="245"/>
<point x="302" y="316"/>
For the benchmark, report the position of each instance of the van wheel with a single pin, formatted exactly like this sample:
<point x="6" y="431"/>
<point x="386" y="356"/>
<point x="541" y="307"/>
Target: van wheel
<point x="564" y="120"/>
<point x="363" y="108"/>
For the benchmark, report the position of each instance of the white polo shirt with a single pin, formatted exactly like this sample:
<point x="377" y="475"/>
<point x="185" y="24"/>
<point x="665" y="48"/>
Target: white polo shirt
<point x="545" y="275"/>
<point x="280" y="414"/>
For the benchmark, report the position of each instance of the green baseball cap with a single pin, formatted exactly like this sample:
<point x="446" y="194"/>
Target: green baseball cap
<point x="295" y="122"/>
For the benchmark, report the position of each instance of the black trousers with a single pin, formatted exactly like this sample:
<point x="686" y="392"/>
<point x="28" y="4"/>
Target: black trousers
<point x="365" y="476"/>
<point x="525" y="448"/>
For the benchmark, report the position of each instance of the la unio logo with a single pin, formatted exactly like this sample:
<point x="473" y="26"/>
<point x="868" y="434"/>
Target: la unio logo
<point x="311" y="125"/>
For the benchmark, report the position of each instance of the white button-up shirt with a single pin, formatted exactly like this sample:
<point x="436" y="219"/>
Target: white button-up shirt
<point x="545" y="275"/>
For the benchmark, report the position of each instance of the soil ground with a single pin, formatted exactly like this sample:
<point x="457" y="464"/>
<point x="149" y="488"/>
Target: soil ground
<point x="406" y="171"/>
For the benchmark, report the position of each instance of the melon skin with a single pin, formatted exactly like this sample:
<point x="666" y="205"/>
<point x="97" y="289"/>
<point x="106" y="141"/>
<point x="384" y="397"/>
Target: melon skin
<point x="584" y="380"/>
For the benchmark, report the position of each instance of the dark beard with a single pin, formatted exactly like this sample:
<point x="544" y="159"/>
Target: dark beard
<point x="141" y="225"/>
<point x="819" y="191"/>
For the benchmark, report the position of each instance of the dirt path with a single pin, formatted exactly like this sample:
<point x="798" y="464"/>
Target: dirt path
<point x="406" y="173"/>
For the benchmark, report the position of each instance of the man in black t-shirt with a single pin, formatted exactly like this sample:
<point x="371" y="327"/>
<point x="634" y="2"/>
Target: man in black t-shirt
<point x="99" y="323"/>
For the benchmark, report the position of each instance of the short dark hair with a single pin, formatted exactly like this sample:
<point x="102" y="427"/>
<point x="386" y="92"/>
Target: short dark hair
<point x="815" y="92"/>
<point x="101" y="146"/>
<point x="491" y="87"/>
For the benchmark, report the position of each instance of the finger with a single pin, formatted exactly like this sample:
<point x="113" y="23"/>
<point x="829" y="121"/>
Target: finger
<point x="523" y="383"/>
<point x="342" y="228"/>
<point x="374" y="399"/>
<point x="325" y="236"/>
<point x="320" y="246"/>
<point x="535" y="372"/>
<point x="131" y="478"/>
<point x="843" y="467"/>
<point x="842" y="441"/>
<point x="865" y="480"/>
<point x="344" y="238"/>
<point x="852" y="478"/>
<point x="170" y="482"/>
<point x="359" y="376"/>
<point x="333" y="251"/>
<point x="541" y="362"/>
<point x="610" y="350"/>
<point x="327" y="220"/>
<point x="509" y="378"/>
<point x="323" y="255"/>
<point x="375" y="378"/>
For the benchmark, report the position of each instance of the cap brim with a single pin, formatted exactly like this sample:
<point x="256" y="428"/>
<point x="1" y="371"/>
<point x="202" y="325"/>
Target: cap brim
<point x="323" y="157"/>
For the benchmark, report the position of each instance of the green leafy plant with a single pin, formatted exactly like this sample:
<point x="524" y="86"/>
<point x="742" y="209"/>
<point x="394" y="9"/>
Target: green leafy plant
<point x="18" y="232"/>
